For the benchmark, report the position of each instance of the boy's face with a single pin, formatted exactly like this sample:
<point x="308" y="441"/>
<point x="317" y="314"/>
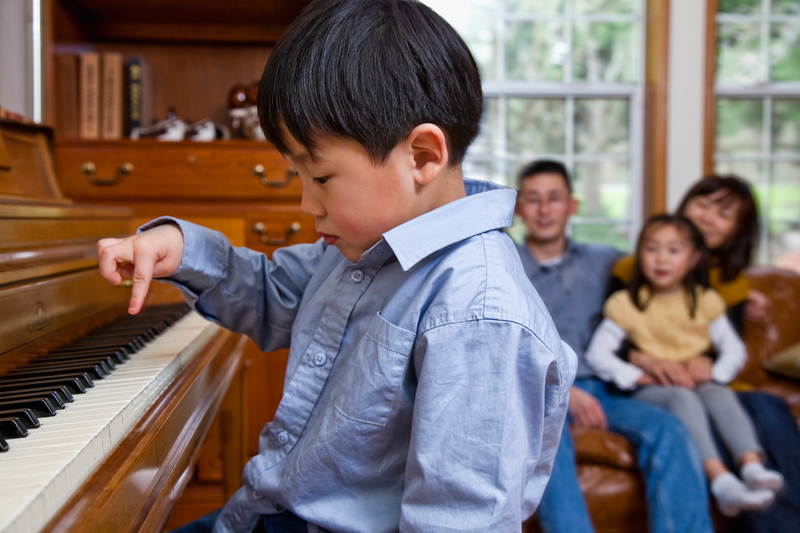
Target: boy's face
<point x="353" y="201"/>
<point x="545" y="205"/>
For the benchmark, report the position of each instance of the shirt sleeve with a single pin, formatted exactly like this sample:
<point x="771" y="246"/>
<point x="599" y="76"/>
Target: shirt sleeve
<point x="240" y="288"/>
<point x="490" y="404"/>
<point x="732" y="352"/>
<point x="601" y="356"/>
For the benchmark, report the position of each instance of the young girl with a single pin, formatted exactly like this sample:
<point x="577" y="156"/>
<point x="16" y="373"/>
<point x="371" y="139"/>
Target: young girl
<point x="669" y="313"/>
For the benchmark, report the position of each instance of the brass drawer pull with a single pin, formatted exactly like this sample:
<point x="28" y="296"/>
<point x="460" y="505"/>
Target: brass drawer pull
<point x="261" y="174"/>
<point x="88" y="168"/>
<point x="261" y="229"/>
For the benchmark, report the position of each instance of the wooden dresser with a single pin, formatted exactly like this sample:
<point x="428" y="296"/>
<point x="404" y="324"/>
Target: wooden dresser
<point x="245" y="189"/>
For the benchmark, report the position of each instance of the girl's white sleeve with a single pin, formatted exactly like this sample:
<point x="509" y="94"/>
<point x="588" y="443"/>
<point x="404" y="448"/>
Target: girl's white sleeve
<point x="601" y="356"/>
<point x="732" y="352"/>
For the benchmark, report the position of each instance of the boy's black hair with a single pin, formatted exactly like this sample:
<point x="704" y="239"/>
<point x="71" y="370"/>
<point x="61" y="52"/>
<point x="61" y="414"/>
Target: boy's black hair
<point x="735" y="253"/>
<point x="545" y="166"/>
<point x="697" y="276"/>
<point x="371" y="71"/>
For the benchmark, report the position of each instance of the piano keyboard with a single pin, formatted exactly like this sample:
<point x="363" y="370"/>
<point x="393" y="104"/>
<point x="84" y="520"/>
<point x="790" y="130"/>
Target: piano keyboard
<point x="40" y="471"/>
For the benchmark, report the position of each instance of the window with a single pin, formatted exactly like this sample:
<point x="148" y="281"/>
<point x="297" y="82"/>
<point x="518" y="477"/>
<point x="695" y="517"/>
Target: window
<point x="563" y="80"/>
<point x="758" y="112"/>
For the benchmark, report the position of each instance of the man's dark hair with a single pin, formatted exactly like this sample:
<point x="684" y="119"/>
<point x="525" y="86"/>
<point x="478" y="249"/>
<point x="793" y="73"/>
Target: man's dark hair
<point x="371" y="71"/>
<point x="737" y="252"/>
<point x="545" y="166"/>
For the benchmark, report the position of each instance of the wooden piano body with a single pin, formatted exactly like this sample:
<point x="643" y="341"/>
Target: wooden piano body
<point x="50" y="294"/>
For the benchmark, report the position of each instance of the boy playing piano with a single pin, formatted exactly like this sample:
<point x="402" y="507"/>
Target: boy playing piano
<point x="426" y="386"/>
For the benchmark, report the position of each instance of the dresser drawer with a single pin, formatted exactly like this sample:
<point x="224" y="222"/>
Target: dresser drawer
<point x="189" y="172"/>
<point x="267" y="232"/>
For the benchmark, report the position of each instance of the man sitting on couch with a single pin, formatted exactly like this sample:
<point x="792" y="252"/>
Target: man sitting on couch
<point x="572" y="280"/>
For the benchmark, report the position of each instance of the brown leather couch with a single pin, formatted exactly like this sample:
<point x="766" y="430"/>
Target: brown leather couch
<point x="607" y="471"/>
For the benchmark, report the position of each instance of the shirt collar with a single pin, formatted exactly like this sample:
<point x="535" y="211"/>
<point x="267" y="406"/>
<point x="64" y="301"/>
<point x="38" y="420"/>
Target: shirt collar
<point x="571" y="248"/>
<point x="486" y="207"/>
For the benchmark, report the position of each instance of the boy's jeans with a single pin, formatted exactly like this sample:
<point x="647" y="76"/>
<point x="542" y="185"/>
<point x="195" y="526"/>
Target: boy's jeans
<point x="284" y="522"/>
<point x="677" y="497"/>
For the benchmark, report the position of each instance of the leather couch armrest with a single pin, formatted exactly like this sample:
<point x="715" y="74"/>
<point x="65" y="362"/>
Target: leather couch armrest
<point x="604" y="447"/>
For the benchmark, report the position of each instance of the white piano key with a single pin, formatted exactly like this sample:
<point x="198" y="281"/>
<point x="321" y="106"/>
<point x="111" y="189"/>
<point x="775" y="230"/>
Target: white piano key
<point x="56" y="458"/>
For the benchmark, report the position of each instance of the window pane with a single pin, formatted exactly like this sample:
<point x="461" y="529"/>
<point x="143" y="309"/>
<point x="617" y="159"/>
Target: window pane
<point x="786" y="127"/>
<point x="616" y="235"/>
<point x="605" y="51"/>
<point x="607" y="6"/>
<point x="738" y="59"/>
<point x="739" y="124"/>
<point x="601" y="126"/>
<point x="535" y="6"/>
<point x="489" y="135"/>
<point x="535" y="127"/>
<point x="603" y="189"/>
<point x="784" y="197"/>
<point x="784" y="238"/>
<point x="740" y="6"/>
<point x="747" y="170"/>
<point x="474" y="22"/>
<point x="482" y="170"/>
<point x="784" y="51"/>
<point x="786" y="7"/>
<point x="535" y="51"/>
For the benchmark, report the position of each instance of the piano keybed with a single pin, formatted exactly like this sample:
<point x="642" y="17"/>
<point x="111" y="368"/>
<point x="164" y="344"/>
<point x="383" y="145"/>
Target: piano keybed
<point x="64" y="412"/>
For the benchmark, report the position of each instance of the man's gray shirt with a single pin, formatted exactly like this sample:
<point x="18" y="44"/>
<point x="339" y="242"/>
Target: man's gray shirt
<point x="574" y="291"/>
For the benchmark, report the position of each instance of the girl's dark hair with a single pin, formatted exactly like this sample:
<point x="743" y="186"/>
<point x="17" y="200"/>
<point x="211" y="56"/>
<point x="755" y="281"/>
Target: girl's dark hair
<point x="371" y="71"/>
<point x="697" y="276"/>
<point x="735" y="253"/>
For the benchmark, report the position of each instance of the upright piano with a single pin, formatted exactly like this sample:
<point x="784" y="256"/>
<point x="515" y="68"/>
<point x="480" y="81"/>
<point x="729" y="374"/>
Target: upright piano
<point x="102" y="415"/>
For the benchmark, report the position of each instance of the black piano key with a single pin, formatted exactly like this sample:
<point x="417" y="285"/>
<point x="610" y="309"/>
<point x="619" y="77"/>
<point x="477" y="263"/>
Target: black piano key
<point x="12" y="428"/>
<point x="62" y="393"/>
<point x="109" y="361"/>
<point x="26" y="416"/>
<point x="81" y="379"/>
<point x="94" y="371"/>
<point x="52" y="396"/>
<point x="90" y="363"/>
<point x="119" y="355"/>
<point x="39" y="406"/>
<point x="73" y="385"/>
<point x="3" y="444"/>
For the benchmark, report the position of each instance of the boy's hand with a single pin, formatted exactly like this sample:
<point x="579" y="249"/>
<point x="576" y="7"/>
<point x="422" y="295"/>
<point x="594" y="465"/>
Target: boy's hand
<point x="586" y="411"/>
<point x="155" y="253"/>
<point x="756" y="307"/>
<point x="699" y="368"/>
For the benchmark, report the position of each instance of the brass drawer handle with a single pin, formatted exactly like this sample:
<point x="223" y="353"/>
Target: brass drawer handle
<point x="261" y="229"/>
<point x="261" y="174"/>
<point x="88" y="168"/>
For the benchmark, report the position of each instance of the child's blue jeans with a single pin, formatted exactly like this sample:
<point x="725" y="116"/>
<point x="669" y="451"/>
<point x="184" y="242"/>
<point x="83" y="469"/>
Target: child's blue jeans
<point x="285" y="522"/>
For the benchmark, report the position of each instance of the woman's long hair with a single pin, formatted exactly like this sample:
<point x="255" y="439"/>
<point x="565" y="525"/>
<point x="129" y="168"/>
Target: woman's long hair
<point x="735" y="253"/>
<point x="696" y="278"/>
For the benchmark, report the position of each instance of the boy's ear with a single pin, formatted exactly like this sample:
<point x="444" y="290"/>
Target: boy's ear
<point x="429" y="149"/>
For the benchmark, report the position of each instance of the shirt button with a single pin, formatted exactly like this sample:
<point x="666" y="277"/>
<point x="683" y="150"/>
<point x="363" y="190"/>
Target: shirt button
<point x="320" y="359"/>
<point x="283" y="437"/>
<point x="357" y="276"/>
<point x="258" y="495"/>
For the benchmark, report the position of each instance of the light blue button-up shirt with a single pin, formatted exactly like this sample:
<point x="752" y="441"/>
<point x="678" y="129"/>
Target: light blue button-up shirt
<point x="426" y="385"/>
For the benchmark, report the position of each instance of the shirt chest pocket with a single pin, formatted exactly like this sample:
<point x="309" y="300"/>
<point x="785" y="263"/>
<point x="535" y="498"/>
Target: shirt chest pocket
<point x="374" y="373"/>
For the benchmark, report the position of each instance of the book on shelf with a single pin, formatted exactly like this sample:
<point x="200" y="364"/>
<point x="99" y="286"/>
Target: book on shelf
<point x="89" y="89"/>
<point x="139" y="94"/>
<point x="66" y="94"/>
<point x="111" y="122"/>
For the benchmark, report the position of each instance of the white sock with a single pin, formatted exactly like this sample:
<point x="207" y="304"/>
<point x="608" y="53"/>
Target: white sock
<point x="733" y="496"/>
<point x="758" y="477"/>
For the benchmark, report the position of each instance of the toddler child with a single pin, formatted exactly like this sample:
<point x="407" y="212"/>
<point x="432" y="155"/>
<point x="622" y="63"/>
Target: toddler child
<point x="671" y="315"/>
<point x="426" y="385"/>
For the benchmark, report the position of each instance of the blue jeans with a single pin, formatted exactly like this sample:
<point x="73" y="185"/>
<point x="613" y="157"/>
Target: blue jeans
<point x="780" y="438"/>
<point x="284" y="522"/>
<point x="676" y="491"/>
